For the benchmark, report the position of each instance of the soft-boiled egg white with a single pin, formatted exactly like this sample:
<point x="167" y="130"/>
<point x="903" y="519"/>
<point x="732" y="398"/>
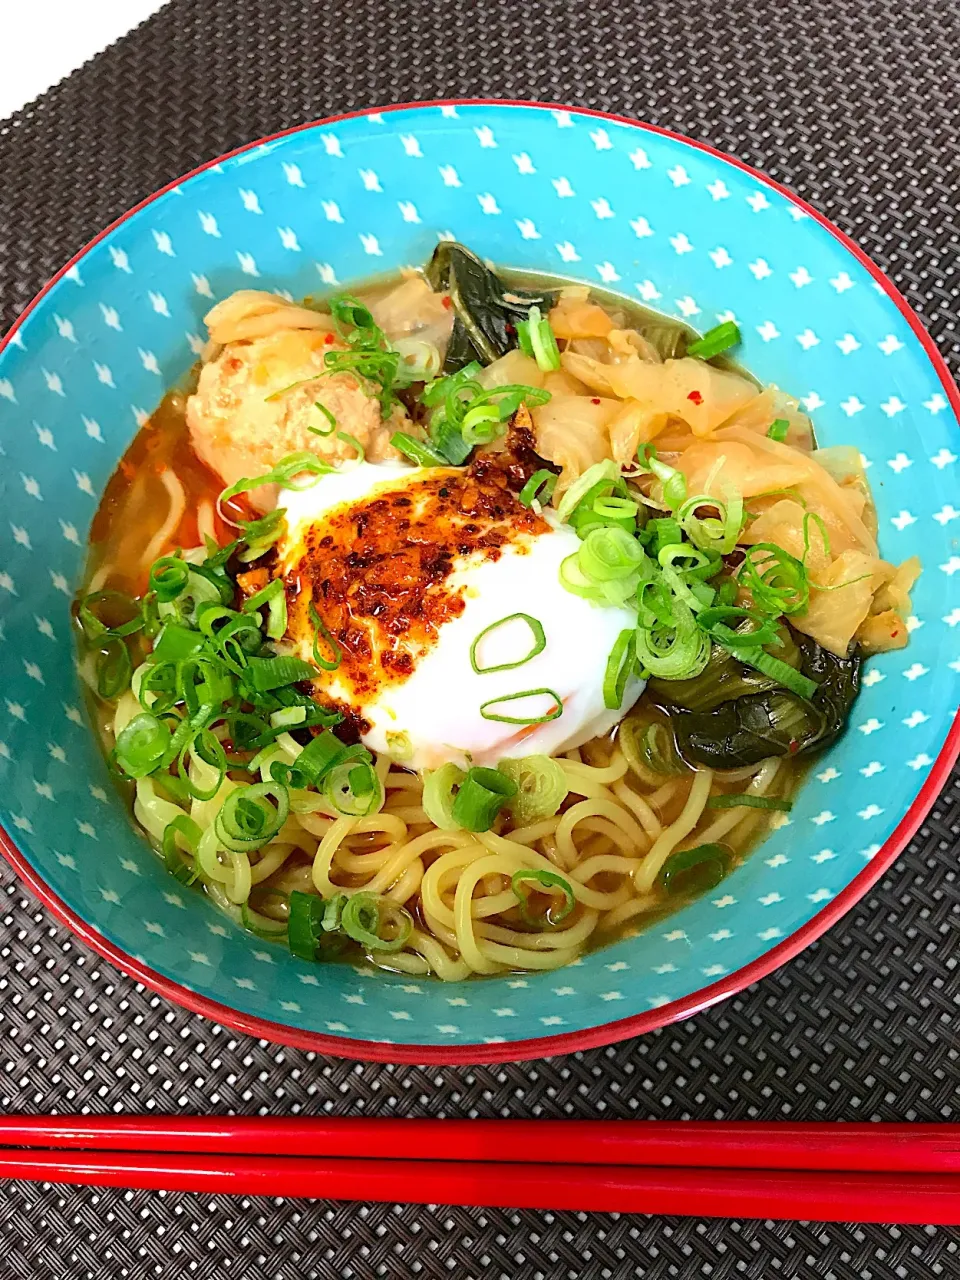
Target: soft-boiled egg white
<point x="433" y="715"/>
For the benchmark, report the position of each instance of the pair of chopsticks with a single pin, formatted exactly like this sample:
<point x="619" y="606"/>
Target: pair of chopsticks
<point x="824" y="1172"/>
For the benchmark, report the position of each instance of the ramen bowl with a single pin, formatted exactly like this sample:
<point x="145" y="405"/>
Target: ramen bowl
<point x="599" y="199"/>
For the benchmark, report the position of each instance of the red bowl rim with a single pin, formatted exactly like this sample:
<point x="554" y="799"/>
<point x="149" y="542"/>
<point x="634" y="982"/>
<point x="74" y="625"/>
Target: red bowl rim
<point x="610" y="1032"/>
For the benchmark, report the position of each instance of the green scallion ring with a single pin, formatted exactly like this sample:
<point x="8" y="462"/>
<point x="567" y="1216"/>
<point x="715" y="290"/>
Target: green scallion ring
<point x="365" y="916"/>
<point x="553" y="714"/>
<point x="750" y="802"/>
<point x="538" y="645"/>
<point x="247" y="819"/>
<point x="483" y="793"/>
<point x="353" y="788"/>
<point x="618" y="668"/>
<point x="114" y="668"/>
<point x="544" y="881"/>
<point x="539" y="488"/>
<point x="694" y="870"/>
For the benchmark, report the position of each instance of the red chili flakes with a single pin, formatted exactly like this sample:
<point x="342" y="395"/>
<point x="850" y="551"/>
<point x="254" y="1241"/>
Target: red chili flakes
<point x="378" y="569"/>
<point x="595" y="400"/>
<point x="328" y="338"/>
<point x="793" y="747"/>
<point x="446" y="301"/>
<point x="696" y="397"/>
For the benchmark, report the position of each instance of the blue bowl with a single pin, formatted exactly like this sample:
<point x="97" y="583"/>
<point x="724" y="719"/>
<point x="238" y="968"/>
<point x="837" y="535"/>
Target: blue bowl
<point x="593" y="197"/>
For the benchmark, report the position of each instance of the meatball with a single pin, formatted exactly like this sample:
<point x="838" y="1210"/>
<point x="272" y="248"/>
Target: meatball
<point x="256" y="401"/>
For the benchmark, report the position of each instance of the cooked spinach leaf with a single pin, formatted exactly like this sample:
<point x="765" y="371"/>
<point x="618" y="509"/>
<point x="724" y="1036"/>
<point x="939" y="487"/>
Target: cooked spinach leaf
<point x="486" y="310"/>
<point x="748" y="727"/>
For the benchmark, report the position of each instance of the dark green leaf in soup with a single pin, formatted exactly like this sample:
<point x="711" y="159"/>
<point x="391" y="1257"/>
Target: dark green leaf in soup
<point x="486" y="310"/>
<point x="767" y="720"/>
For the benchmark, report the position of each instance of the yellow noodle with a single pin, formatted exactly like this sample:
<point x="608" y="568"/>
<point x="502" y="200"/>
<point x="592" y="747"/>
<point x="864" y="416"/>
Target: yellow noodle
<point x="205" y="523"/>
<point x="626" y="911"/>
<point x="271" y="860"/>
<point x="633" y="836"/>
<point x="178" y="504"/>
<point x="593" y="774"/>
<point x="548" y="940"/>
<point x="638" y="806"/>
<point x="730" y="818"/>
<point x="665" y="844"/>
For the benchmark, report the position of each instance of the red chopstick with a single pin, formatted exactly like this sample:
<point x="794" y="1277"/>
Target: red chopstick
<point x="736" y="1193"/>
<point x="830" y="1173"/>
<point x="881" y="1148"/>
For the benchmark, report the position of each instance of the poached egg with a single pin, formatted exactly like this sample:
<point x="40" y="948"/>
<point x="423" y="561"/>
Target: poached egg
<point x="407" y="567"/>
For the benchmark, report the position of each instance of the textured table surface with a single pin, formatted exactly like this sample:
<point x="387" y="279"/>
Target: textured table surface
<point x="856" y="105"/>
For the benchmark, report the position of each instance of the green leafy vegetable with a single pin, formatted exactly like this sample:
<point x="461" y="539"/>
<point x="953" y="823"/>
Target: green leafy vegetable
<point x="486" y="311"/>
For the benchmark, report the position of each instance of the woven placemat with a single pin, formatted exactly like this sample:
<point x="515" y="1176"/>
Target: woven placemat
<point x="856" y="105"/>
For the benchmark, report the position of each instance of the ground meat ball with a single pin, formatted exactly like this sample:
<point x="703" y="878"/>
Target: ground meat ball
<point x="257" y="400"/>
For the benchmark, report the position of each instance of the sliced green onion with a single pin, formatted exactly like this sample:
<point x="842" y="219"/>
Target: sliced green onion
<point x="291" y="386"/>
<point x="184" y="871"/>
<point x="777" y="670"/>
<point x="714" y="621"/>
<point x="114" y="668"/>
<point x="251" y="816"/>
<point x="207" y="747"/>
<point x="537" y="340"/>
<point x="260" y="535"/>
<point x="539" y="488"/>
<point x="676" y="649"/>
<point x="320" y="755"/>
<point x="111" y="602"/>
<point x="652" y="746"/>
<point x="776" y="580"/>
<point x="288" y="717"/>
<point x="778" y="430"/>
<point x="542" y="881"/>
<point x="553" y="714"/>
<point x="320" y="629"/>
<point x="662" y="532"/>
<point x="419" y="361"/>
<point x="264" y="674"/>
<point x="347" y="438"/>
<point x="439" y="791"/>
<point x="331" y="420"/>
<point x="605" y="470"/>
<point x="435" y="392"/>
<point x="418" y="451"/>
<point x="142" y="745"/>
<point x="348" y="310"/>
<point x="353" y="788"/>
<point x="715" y="341"/>
<point x="610" y="507"/>
<point x="617" y="672"/>
<point x="176" y="643"/>
<point x="712" y="533"/>
<point x="541" y="788"/>
<point x="694" y="870"/>
<point x="365" y="918"/>
<point x="294" y="464"/>
<point x="481" y="424"/>
<point x="333" y="911"/>
<point x="305" y="924"/>
<point x="483" y="793"/>
<point x="538" y="645"/>
<point x="609" y="553"/>
<point x="674" y="482"/>
<point x="274" y="596"/>
<point x="749" y="802"/>
<point x="810" y="517"/>
<point x="168" y="578"/>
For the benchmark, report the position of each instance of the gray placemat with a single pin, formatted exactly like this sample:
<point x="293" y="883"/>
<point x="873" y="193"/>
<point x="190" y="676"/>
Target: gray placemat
<point x="856" y="105"/>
